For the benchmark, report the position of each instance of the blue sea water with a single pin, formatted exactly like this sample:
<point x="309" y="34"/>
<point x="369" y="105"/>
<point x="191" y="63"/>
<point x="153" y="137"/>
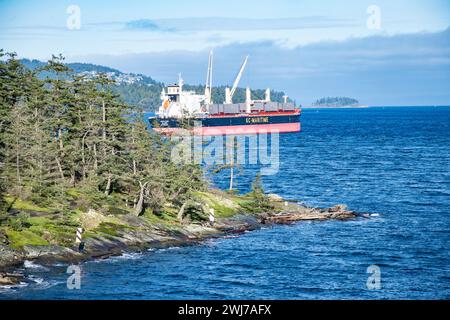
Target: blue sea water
<point x="390" y="161"/>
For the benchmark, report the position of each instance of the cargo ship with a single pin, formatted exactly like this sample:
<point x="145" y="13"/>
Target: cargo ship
<point x="187" y="110"/>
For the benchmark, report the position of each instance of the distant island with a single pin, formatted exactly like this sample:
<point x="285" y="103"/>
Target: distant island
<point x="336" y="102"/>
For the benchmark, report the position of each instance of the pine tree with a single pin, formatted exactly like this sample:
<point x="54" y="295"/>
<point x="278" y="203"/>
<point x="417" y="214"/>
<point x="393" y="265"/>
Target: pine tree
<point x="66" y="131"/>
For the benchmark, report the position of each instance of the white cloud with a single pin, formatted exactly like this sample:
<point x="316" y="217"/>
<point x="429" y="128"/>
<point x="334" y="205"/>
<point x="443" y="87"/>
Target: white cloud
<point x="376" y="70"/>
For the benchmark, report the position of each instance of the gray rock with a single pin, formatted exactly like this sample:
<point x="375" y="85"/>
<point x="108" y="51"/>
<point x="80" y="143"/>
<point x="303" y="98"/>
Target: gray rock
<point x="9" y="256"/>
<point x="48" y="254"/>
<point x="7" y="279"/>
<point x="274" y="197"/>
<point x="338" y="208"/>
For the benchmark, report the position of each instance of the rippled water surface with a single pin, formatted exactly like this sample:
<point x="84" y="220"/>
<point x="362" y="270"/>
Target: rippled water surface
<point x="391" y="161"/>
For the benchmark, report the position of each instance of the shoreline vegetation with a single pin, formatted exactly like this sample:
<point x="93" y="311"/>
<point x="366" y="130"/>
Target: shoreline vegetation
<point x="111" y="234"/>
<point x="73" y="154"/>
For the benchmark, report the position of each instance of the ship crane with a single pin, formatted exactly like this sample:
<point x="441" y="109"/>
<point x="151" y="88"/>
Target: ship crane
<point x="229" y="93"/>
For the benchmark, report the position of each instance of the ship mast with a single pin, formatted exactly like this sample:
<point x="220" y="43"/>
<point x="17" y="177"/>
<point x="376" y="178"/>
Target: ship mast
<point x="208" y="83"/>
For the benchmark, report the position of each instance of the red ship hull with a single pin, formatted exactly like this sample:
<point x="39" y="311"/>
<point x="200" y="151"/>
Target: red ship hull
<point x="235" y="124"/>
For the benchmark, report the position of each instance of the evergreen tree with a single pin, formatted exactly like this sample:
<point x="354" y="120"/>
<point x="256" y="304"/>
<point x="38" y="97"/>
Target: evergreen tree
<point x="66" y="131"/>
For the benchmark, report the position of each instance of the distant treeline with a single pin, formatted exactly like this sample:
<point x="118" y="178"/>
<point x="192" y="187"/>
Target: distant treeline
<point x="218" y="94"/>
<point x="146" y="92"/>
<point x="336" y="102"/>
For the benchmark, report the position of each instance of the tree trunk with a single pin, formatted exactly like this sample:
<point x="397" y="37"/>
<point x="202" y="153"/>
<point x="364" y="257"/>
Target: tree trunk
<point x="61" y="172"/>
<point x="108" y="186"/>
<point x="95" y="157"/>
<point x="104" y="120"/>
<point x="19" y="182"/>
<point x="181" y="211"/>
<point x="61" y="145"/>
<point x="113" y="138"/>
<point x="140" y="204"/>
<point x="104" y="127"/>
<point x="134" y="160"/>
<point x="233" y="150"/>
<point x="83" y="157"/>
<point x="231" y="176"/>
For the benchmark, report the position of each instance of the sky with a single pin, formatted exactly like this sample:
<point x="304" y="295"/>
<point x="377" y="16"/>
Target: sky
<point x="382" y="52"/>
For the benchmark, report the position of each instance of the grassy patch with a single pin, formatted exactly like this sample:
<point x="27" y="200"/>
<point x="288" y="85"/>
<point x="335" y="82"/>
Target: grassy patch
<point x="220" y="203"/>
<point x="111" y="229"/>
<point x="221" y="211"/>
<point x="50" y="229"/>
<point x="25" y="237"/>
<point x="60" y="230"/>
<point x="167" y="217"/>
<point x="18" y="204"/>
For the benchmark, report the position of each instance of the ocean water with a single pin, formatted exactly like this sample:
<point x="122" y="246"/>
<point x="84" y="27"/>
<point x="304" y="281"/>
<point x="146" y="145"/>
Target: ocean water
<point x="394" y="162"/>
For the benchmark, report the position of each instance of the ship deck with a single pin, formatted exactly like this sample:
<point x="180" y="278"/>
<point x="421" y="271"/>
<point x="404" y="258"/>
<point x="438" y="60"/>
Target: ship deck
<point x="256" y="114"/>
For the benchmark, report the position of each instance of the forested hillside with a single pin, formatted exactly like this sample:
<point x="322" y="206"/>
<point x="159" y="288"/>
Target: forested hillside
<point x="134" y="89"/>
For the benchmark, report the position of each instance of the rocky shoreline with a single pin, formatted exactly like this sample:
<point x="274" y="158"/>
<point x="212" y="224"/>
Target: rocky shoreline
<point x="144" y="236"/>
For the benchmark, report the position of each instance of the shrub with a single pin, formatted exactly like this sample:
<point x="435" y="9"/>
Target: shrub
<point x="19" y="222"/>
